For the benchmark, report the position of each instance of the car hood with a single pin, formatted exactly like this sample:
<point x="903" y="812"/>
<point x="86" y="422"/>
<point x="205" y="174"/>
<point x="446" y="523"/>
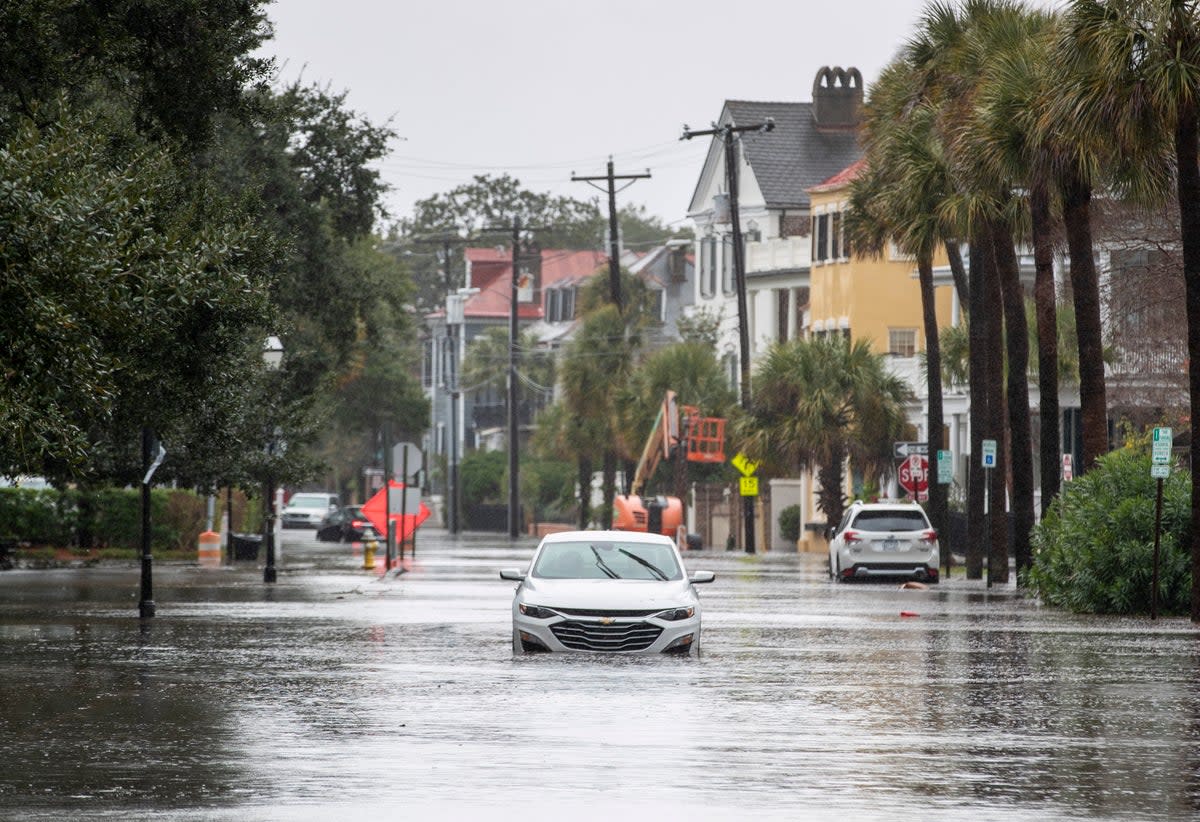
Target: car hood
<point x="618" y="594"/>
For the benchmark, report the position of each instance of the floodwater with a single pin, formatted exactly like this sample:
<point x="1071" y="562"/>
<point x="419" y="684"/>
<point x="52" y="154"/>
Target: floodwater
<point x="338" y="693"/>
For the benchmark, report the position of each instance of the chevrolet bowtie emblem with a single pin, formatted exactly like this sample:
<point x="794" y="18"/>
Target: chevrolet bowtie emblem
<point x="607" y="620"/>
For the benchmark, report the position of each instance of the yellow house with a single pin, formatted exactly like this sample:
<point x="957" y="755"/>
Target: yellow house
<point x="861" y="298"/>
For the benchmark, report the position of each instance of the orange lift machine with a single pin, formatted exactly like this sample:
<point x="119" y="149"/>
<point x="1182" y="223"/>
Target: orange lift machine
<point x="696" y="438"/>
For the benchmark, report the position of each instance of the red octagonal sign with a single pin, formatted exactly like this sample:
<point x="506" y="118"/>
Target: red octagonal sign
<point x="914" y="475"/>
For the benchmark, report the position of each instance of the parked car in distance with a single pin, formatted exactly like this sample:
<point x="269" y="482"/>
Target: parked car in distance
<point x="346" y="524"/>
<point x="884" y="539"/>
<point x="606" y="591"/>
<point x="307" y="510"/>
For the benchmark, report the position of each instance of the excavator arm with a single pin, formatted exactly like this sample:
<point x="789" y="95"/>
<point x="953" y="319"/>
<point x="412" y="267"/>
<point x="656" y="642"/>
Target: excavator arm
<point x="664" y="437"/>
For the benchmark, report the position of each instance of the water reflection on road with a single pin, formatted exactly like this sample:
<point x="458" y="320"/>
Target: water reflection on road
<point x="337" y="693"/>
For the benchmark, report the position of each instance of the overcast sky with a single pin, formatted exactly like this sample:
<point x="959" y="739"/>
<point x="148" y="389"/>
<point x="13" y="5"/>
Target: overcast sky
<point x="542" y="88"/>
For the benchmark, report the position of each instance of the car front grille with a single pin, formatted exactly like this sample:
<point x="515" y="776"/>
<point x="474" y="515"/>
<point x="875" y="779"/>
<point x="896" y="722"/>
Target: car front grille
<point x="592" y="636"/>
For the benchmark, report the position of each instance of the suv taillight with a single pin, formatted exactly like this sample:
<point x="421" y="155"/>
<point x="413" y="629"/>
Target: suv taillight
<point x="929" y="535"/>
<point x="851" y="537"/>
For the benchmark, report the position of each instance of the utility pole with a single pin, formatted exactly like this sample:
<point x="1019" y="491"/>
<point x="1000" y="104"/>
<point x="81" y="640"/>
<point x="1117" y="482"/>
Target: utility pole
<point x="454" y="494"/>
<point x="728" y="135"/>
<point x="514" y="528"/>
<point x="614" y="245"/>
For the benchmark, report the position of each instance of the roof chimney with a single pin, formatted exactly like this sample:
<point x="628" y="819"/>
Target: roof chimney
<point x="837" y="99"/>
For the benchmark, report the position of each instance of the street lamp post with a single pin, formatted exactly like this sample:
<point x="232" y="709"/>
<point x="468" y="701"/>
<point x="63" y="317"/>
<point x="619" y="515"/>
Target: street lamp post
<point x="272" y="355"/>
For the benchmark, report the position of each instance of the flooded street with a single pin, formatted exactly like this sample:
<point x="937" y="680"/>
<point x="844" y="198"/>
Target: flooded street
<point x="337" y="693"/>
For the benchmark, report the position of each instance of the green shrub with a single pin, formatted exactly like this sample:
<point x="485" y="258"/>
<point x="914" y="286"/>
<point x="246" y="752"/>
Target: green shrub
<point x="1093" y="551"/>
<point x="789" y="523"/>
<point x="101" y="518"/>
<point x="481" y="474"/>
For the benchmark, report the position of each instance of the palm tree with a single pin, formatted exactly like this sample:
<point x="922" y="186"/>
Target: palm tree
<point x="818" y="404"/>
<point x="1142" y="80"/>
<point x="596" y="370"/>
<point x="898" y="198"/>
<point x="1013" y="93"/>
<point x="948" y="56"/>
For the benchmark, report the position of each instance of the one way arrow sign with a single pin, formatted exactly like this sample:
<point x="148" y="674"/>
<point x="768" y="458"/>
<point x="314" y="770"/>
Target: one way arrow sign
<point x="904" y="450"/>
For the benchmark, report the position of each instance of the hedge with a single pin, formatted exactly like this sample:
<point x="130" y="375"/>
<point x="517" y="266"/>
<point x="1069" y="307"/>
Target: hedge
<point x="102" y="518"/>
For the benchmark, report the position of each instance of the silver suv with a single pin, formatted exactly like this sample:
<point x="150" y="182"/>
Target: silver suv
<point x="884" y="539"/>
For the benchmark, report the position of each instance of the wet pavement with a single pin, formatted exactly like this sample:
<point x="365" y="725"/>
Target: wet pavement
<point x="338" y="693"/>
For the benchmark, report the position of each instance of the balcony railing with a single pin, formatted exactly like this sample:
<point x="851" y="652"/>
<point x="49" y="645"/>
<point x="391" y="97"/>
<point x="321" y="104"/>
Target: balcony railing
<point x="784" y="254"/>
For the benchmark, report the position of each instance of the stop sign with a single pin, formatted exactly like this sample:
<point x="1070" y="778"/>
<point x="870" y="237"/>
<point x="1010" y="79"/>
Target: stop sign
<point x="914" y="475"/>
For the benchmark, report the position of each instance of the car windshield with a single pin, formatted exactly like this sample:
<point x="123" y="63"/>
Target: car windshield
<point x="607" y="560"/>
<point x="890" y="521"/>
<point x="308" y="501"/>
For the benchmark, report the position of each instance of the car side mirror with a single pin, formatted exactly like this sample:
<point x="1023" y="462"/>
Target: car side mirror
<point x="512" y="574"/>
<point x="702" y="577"/>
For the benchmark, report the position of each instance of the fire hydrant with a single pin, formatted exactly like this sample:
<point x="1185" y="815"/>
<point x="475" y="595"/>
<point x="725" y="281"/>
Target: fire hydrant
<point x="369" y="554"/>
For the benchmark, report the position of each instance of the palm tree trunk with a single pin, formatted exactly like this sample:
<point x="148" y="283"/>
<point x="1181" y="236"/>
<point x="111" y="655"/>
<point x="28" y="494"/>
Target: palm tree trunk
<point x="993" y="316"/>
<point x="585" y="492"/>
<point x="933" y="381"/>
<point x="1046" y="301"/>
<point x="831" y="499"/>
<point x="1188" y="192"/>
<point x="1020" y="433"/>
<point x="961" y="286"/>
<point x="1085" y="289"/>
<point x="610" y="489"/>
<point x="977" y="381"/>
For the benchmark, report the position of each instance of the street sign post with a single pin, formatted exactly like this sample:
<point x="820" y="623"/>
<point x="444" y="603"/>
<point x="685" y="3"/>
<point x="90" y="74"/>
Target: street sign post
<point x="914" y="475"/>
<point x="748" y="486"/>
<point x="945" y="467"/>
<point x="903" y="450"/>
<point x="1160" y="469"/>
<point x="1160" y="453"/>
<point x="989" y="453"/>
<point x="744" y="464"/>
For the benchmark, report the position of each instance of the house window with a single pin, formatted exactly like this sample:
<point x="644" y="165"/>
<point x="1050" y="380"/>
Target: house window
<point x="553" y="305"/>
<point x="727" y="284"/>
<point x="707" y="267"/>
<point x="782" y="298"/>
<point x="902" y="342"/>
<point x="835" y="236"/>
<point x="658" y="305"/>
<point x="820" y="238"/>
<point x="567" y="303"/>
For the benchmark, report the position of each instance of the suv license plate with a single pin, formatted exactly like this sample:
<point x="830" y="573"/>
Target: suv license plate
<point x="891" y="544"/>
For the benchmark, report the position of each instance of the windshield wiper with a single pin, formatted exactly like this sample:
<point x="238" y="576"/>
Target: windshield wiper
<point x="602" y="565"/>
<point x="654" y="569"/>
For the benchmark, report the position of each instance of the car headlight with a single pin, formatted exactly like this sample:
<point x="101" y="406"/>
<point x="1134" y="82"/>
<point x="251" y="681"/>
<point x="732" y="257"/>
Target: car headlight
<point x="535" y="611"/>
<point x="678" y="613"/>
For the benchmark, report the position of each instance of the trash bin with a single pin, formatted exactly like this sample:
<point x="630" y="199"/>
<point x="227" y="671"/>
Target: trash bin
<point x="245" y="546"/>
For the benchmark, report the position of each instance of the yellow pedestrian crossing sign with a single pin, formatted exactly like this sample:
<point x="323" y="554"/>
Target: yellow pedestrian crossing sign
<point x="749" y="486"/>
<point x="746" y="465"/>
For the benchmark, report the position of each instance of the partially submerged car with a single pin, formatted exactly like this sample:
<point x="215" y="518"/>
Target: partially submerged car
<point x="606" y="591"/>
<point x="884" y="539"/>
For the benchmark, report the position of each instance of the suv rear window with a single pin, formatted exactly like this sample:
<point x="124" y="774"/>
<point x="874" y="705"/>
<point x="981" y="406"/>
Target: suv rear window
<point x="891" y="521"/>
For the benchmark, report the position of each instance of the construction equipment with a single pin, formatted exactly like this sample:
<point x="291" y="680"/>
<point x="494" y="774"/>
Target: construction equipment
<point x="692" y="436"/>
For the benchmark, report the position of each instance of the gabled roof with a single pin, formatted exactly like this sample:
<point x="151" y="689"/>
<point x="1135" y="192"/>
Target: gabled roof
<point x="788" y="160"/>
<point x="842" y="179"/>
<point x="491" y="273"/>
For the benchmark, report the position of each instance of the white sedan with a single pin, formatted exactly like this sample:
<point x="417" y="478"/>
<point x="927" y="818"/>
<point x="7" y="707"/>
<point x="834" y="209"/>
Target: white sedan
<point x="606" y="591"/>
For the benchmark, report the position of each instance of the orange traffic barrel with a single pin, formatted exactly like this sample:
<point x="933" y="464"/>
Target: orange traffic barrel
<point x="209" y="551"/>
